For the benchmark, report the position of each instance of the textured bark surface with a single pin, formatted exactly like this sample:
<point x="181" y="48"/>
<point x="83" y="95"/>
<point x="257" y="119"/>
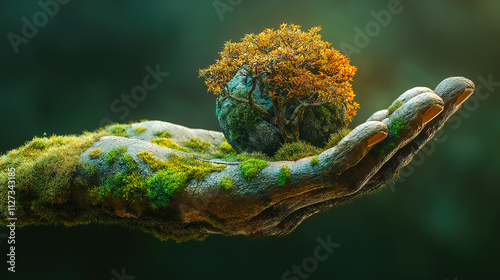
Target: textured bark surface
<point x="362" y="162"/>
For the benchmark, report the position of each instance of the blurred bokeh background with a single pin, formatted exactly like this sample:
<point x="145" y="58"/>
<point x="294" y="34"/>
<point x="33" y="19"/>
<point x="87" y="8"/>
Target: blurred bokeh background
<point x="440" y="221"/>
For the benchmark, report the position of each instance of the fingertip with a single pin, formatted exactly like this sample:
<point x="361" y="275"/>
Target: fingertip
<point x="455" y="90"/>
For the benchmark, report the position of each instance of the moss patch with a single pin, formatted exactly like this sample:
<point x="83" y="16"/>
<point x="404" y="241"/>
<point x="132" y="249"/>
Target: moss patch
<point x="394" y="106"/>
<point x="225" y="151"/>
<point x="241" y="118"/>
<point x="197" y="145"/>
<point x="284" y="176"/>
<point x="129" y="161"/>
<point x="251" y="167"/>
<point x="96" y="153"/>
<point x="45" y="177"/>
<point x="390" y="141"/>
<point x="118" y="130"/>
<point x="139" y="130"/>
<point x="113" y="154"/>
<point x="314" y="161"/>
<point x="172" y="175"/>
<point x="336" y="137"/>
<point x="226" y="182"/>
<point x="295" y="151"/>
<point x="168" y="143"/>
<point x="163" y="134"/>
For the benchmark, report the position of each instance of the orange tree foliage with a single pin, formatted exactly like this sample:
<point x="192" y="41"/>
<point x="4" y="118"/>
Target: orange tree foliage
<point x="295" y="67"/>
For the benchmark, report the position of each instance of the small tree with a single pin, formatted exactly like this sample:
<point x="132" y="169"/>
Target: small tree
<point x="296" y="68"/>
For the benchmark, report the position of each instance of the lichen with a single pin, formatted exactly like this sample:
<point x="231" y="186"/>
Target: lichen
<point x="251" y="167"/>
<point x="284" y="175"/>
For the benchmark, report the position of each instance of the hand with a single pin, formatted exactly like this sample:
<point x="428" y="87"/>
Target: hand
<point x="366" y="159"/>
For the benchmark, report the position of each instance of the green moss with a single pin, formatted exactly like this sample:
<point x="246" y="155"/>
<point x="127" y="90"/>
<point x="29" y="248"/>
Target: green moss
<point x="139" y="130"/>
<point x="322" y="113"/>
<point x="96" y="153"/>
<point x="140" y="192"/>
<point x="172" y="175"/>
<point x="123" y="188"/>
<point x="253" y="155"/>
<point x="113" y="154"/>
<point x="242" y="119"/>
<point x="118" y="129"/>
<point x="314" y="161"/>
<point x="45" y="171"/>
<point x="335" y="138"/>
<point x="168" y="143"/>
<point x="390" y="141"/>
<point x="129" y="161"/>
<point x="241" y="93"/>
<point x="91" y="169"/>
<point x="197" y="145"/>
<point x="163" y="186"/>
<point x="225" y="151"/>
<point x="295" y="151"/>
<point x="163" y="134"/>
<point x="226" y="182"/>
<point x="394" y="106"/>
<point x="284" y="176"/>
<point x="251" y="167"/>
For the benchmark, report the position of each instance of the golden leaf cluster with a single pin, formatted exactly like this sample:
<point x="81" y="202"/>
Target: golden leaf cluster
<point x="292" y="64"/>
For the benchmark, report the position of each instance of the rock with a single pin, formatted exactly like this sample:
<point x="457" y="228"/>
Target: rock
<point x="248" y="131"/>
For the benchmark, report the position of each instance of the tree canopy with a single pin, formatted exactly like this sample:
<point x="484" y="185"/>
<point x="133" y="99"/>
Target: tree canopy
<point x="293" y="66"/>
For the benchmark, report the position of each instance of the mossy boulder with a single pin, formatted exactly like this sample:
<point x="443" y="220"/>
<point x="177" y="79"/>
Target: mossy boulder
<point x="249" y="131"/>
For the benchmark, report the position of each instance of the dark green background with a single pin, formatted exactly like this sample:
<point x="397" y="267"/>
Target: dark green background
<point x="442" y="222"/>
